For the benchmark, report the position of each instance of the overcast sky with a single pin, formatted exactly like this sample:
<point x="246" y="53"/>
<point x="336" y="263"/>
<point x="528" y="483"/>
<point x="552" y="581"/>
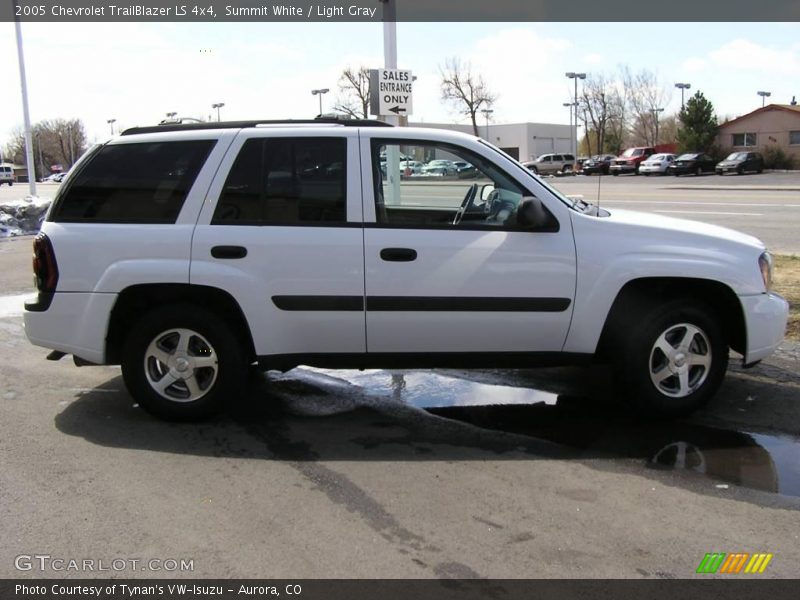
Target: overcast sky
<point x="136" y="72"/>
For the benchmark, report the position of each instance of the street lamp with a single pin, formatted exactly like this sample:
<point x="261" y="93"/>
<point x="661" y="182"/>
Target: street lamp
<point x="683" y="87"/>
<point x="111" y="124"/>
<point x="576" y="76"/>
<point x="486" y="112"/>
<point x="171" y="115"/>
<point x="320" y="93"/>
<point x="218" y="105"/>
<point x="764" y="96"/>
<point x="570" y="105"/>
<point x="655" y="112"/>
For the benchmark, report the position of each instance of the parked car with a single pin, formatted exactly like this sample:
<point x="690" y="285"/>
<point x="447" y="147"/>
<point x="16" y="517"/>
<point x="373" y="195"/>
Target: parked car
<point x="629" y="161"/>
<point x="550" y="164"/>
<point x="599" y="163"/>
<point x="362" y="283"/>
<point x="739" y="162"/>
<point x="53" y="178"/>
<point x="7" y="174"/>
<point x="440" y="167"/>
<point x="411" y="167"/>
<point x="657" y="163"/>
<point x="464" y="170"/>
<point x="692" y="162"/>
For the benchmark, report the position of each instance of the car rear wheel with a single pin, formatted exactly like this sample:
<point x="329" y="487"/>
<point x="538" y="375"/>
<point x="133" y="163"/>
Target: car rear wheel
<point x="183" y="362"/>
<point x="675" y="362"/>
<point x="698" y="171"/>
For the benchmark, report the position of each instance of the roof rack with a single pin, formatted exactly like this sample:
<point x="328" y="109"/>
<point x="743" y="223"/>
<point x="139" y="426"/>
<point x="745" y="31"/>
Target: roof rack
<point x="246" y="124"/>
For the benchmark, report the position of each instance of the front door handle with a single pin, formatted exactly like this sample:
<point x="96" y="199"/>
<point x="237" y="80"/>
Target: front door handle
<point x="398" y="254"/>
<point x="228" y="251"/>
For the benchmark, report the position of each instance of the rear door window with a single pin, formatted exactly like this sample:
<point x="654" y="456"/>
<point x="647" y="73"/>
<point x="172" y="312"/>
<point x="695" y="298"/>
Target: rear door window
<point x="286" y="181"/>
<point x="134" y="183"/>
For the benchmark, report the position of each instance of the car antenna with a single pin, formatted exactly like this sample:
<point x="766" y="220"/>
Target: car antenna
<point x="599" y="177"/>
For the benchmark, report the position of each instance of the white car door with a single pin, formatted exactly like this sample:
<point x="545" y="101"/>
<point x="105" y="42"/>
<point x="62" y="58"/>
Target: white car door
<point x="482" y="285"/>
<point x="281" y="232"/>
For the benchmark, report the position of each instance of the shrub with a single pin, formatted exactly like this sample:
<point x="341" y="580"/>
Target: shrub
<point x="776" y="158"/>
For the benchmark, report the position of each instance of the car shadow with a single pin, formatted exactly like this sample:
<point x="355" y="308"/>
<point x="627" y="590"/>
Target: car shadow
<point x="315" y="416"/>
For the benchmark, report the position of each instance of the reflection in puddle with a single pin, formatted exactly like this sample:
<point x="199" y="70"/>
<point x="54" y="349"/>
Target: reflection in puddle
<point x="426" y="389"/>
<point x="754" y="460"/>
<point x="13" y="306"/>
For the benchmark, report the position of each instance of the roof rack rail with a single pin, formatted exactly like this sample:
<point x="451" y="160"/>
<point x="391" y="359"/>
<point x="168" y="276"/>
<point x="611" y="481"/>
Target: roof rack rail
<point x="246" y="124"/>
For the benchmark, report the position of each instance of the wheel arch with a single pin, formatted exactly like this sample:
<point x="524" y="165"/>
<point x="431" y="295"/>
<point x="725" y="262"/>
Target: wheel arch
<point x="134" y="301"/>
<point x="637" y="294"/>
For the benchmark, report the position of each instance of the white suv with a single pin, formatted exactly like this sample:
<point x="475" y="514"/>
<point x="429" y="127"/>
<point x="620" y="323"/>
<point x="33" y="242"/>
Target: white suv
<point x="186" y="253"/>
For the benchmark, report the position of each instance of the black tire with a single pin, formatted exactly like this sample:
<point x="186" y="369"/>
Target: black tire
<point x="698" y="171"/>
<point x="638" y="357"/>
<point x="231" y="367"/>
<point x="739" y="171"/>
<point x="615" y="173"/>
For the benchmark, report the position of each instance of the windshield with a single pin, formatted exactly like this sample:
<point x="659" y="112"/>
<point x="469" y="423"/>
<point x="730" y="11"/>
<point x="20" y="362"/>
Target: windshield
<point x="687" y="157"/>
<point x="737" y="156"/>
<point x="633" y="152"/>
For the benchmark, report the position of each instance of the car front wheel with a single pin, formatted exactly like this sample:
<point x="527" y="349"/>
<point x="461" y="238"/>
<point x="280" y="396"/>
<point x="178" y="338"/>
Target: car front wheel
<point x="676" y="361"/>
<point x="183" y="362"/>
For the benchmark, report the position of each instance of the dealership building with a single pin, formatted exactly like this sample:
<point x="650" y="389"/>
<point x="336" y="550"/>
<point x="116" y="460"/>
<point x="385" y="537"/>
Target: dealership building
<point x="523" y="141"/>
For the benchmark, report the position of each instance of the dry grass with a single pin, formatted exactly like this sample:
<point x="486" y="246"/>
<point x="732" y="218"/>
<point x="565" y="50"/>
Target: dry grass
<point x="786" y="282"/>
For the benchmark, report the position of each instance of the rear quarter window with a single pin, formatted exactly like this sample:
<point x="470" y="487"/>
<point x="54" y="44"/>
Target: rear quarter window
<point x="134" y="183"/>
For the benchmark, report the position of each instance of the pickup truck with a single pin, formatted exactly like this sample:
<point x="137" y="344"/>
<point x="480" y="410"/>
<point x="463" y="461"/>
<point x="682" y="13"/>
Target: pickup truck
<point x="629" y="161"/>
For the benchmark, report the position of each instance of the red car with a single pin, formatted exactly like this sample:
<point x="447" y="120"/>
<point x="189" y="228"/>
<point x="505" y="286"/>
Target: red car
<point x="629" y="161"/>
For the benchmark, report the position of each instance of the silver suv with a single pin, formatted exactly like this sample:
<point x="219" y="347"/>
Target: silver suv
<point x="552" y="163"/>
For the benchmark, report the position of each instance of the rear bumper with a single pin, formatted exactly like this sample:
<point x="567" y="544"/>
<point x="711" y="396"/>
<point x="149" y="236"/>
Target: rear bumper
<point x="622" y="168"/>
<point x="766" y="316"/>
<point x="75" y="323"/>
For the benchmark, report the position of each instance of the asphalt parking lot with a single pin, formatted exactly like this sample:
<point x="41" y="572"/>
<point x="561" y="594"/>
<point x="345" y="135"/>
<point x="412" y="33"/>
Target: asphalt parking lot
<point x="506" y="474"/>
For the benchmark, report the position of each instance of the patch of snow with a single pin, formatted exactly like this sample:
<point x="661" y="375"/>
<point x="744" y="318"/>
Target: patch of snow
<point x="23" y="216"/>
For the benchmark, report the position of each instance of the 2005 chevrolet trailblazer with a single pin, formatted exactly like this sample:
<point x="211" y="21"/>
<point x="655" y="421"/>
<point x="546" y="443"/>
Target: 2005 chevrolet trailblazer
<point x="187" y="252"/>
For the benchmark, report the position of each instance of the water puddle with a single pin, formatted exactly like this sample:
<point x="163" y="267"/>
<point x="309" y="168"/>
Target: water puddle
<point x="13" y="306"/>
<point x="759" y="461"/>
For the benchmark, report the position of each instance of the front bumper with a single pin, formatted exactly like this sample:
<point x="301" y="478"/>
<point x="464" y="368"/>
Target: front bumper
<point x="766" y="316"/>
<point x="622" y="168"/>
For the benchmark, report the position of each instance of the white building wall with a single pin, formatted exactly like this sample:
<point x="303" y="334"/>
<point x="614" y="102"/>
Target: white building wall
<point x="530" y="139"/>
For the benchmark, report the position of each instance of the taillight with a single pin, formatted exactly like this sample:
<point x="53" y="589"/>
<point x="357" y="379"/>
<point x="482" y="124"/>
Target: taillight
<point x="45" y="269"/>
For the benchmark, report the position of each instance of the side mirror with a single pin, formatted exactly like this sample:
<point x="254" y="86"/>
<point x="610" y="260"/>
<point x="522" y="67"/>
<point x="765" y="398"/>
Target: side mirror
<point x="532" y="214"/>
<point x="486" y="190"/>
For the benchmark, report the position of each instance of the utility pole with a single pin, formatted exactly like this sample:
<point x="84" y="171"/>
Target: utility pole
<point x="486" y="112"/>
<point x="655" y="114"/>
<point x="576" y="76"/>
<point x="23" y="81"/>
<point x="390" y="62"/>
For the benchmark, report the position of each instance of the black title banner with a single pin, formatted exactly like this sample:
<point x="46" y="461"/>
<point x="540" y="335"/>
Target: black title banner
<point x="397" y="10"/>
<point x="395" y="589"/>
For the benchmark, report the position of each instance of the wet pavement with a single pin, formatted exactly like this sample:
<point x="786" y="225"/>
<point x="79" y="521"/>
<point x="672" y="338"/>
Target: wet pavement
<point x="595" y="428"/>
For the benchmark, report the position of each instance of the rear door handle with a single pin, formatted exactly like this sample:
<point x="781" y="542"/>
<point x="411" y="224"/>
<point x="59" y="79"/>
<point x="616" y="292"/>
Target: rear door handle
<point x="398" y="254"/>
<point x="228" y="251"/>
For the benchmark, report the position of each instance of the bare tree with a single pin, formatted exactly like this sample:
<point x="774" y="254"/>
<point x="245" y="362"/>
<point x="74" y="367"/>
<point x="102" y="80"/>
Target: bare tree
<point x="354" y="95"/>
<point x="598" y="107"/>
<point x="644" y="93"/>
<point x="55" y="141"/>
<point x="466" y="91"/>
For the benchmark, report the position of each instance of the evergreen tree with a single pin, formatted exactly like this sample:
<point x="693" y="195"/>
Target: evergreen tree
<point x="698" y="125"/>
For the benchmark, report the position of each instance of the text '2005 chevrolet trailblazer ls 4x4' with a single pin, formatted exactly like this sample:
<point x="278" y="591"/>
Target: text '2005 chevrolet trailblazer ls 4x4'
<point x="186" y="253"/>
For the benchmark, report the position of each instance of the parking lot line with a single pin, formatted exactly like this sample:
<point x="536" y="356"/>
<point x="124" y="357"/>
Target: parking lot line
<point x="709" y="212"/>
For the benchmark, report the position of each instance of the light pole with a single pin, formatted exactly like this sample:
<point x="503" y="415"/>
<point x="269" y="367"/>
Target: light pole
<point x="764" y="96"/>
<point x="486" y="112"/>
<point x="683" y="87"/>
<point x="111" y="124"/>
<point x="570" y="105"/>
<point x="171" y="115"/>
<point x="23" y="82"/>
<point x="576" y="76"/>
<point x="218" y="105"/>
<point x="320" y="92"/>
<point x="655" y="112"/>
